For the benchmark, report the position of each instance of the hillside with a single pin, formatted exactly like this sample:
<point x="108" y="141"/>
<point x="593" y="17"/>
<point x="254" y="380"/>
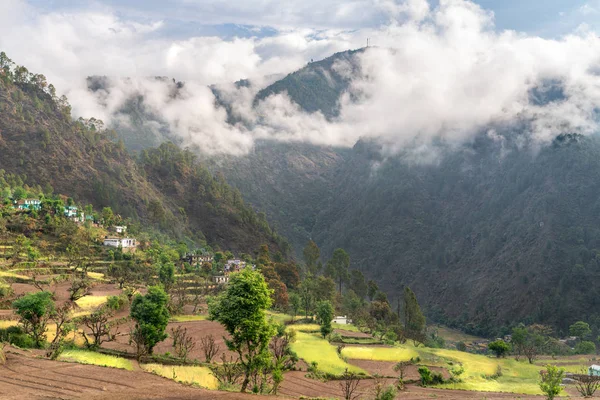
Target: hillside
<point x="40" y="142"/>
<point x="488" y="237"/>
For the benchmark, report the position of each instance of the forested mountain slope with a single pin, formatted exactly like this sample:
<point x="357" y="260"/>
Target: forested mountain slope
<point x="488" y="236"/>
<point x="168" y="189"/>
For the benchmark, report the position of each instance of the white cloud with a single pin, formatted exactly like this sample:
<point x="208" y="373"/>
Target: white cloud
<point x="437" y="72"/>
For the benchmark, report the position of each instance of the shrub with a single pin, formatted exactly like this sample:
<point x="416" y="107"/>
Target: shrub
<point x="335" y="338"/>
<point x="499" y="347"/>
<point x="116" y="302"/>
<point x="15" y="336"/>
<point x="426" y="378"/>
<point x="551" y="380"/>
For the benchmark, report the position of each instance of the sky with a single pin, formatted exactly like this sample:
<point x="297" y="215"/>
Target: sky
<point x="440" y="69"/>
<point x="547" y="18"/>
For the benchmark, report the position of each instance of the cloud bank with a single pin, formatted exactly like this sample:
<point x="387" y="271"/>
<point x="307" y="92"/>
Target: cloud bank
<point x="437" y="72"/>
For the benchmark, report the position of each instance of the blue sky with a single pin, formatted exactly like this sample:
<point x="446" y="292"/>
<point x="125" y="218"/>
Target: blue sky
<point x="546" y="18"/>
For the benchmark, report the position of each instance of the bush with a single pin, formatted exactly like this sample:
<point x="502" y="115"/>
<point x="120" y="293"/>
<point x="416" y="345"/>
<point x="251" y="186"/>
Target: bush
<point x="15" y="336"/>
<point x="116" y="302"/>
<point x="336" y="338"/>
<point x="585" y="347"/>
<point x="461" y="346"/>
<point x="426" y="378"/>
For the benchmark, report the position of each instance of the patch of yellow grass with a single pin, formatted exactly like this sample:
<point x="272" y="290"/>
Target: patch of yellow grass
<point x="90" y="357"/>
<point x="201" y="376"/>
<point x="380" y="353"/>
<point x="188" y="318"/>
<point x="9" y="274"/>
<point x="96" y="275"/>
<point x="91" y="302"/>
<point x="314" y="348"/>
<point x="305" y="327"/>
<point x="278" y="317"/>
<point x="6" y="324"/>
<point x="346" y="327"/>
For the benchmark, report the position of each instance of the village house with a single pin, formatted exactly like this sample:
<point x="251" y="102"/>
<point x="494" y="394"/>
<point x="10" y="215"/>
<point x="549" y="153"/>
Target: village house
<point x="73" y="214"/>
<point x="120" y="229"/>
<point x="124" y="243"/>
<point x="235" y="265"/>
<point x="194" y="259"/>
<point x="220" y="279"/>
<point x="594" y="370"/>
<point x="29" y="205"/>
<point x="342" y="320"/>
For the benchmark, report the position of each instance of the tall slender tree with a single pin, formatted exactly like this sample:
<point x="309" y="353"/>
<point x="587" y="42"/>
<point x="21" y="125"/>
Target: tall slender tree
<point x="337" y="267"/>
<point x="311" y="255"/>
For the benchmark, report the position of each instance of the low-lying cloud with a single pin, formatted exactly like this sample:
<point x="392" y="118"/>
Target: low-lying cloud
<point x="437" y="72"/>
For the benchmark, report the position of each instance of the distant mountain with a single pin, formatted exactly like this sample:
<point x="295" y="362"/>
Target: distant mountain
<point x="166" y="187"/>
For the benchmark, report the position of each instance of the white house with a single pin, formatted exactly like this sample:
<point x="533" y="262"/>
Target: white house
<point x="341" y="320"/>
<point x="120" y="228"/>
<point x="221" y="279"/>
<point x="594" y="370"/>
<point x="120" y="242"/>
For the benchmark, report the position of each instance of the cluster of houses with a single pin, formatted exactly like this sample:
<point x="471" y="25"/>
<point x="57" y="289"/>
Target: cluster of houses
<point x="71" y="212"/>
<point x="234" y="265"/>
<point x="127" y="244"/>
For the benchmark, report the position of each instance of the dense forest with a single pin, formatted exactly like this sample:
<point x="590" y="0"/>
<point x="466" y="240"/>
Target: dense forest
<point x="165" y="188"/>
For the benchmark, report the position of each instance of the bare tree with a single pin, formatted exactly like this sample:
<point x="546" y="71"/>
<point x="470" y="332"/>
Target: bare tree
<point x="401" y="369"/>
<point x="587" y="385"/>
<point x="100" y="327"/>
<point x="228" y="372"/>
<point x="285" y="359"/>
<point x="137" y="340"/>
<point x="210" y="347"/>
<point x="182" y="342"/>
<point x="62" y="320"/>
<point x="349" y="384"/>
<point x="79" y="288"/>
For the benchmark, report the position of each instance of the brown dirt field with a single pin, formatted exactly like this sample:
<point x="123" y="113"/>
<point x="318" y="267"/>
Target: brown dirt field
<point x="386" y="368"/>
<point x="296" y="384"/>
<point x="29" y="378"/>
<point x="197" y="329"/>
<point x="359" y="335"/>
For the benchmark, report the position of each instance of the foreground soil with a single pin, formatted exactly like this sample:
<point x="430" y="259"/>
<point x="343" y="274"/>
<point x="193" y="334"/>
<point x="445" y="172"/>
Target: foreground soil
<point x="31" y="378"/>
<point x="26" y="377"/>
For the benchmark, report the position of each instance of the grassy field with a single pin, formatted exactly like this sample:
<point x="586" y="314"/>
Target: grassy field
<point x="454" y="336"/>
<point x="311" y="348"/>
<point x="91" y="302"/>
<point x="200" y="376"/>
<point x="9" y="274"/>
<point x="188" y="318"/>
<point x="278" y="317"/>
<point x="380" y="353"/>
<point x="89" y="357"/>
<point x="310" y="328"/>
<point x="347" y="327"/>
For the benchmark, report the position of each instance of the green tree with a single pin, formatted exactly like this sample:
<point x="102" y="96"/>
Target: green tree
<point x="337" y="267"/>
<point x="551" y="380"/>
<point x="372" y="289"/>
<point x="295" y="304"/>
<point x="34" y="310"/>
<point x="240" y="308"/>
<point x="151" y="317"/>
<point x="414" y="320"/>
<point x="585" y="347"/>
<point x="166" y="274"/>
<point x="325" y="316"/>
<point x="311" y="255"/>
<point x="358" y="283"/>
<point x="108" y="217"/>
<point x="499" y="347"/>
<point x="580" y="329"/>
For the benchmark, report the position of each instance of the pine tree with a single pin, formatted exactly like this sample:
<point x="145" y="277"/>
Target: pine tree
<point x="414" y="320"/>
